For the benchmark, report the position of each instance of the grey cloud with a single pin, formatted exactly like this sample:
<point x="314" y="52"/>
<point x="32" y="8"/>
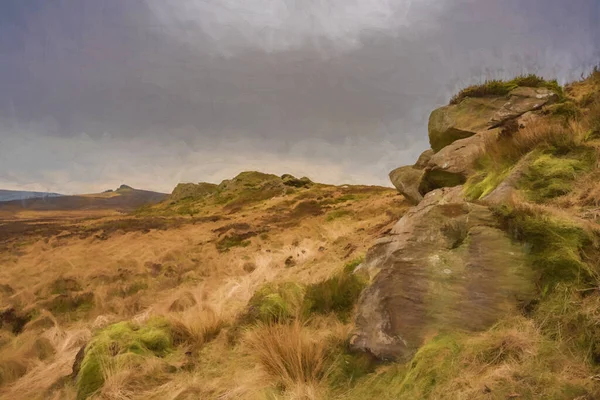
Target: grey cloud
<point x="196" y="90"/>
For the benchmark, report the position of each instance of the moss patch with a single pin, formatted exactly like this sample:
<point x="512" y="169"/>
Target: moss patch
<point x="552" y="174"/>
<point x="556" y="246"/>
<point x="275" y="303"/>
<point x="119" y="345"/>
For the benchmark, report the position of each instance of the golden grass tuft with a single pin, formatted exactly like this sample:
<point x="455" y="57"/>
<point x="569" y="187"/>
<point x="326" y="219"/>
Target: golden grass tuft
<point x="289" y="353"/>
<point x="195" y="327"/>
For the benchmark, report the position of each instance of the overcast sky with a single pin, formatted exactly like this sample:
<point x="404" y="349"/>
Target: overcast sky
<point x="96" y="93"/>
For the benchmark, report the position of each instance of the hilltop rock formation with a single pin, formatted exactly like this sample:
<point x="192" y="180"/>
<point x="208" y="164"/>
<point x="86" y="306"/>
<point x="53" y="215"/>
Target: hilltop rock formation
<point x="192" y="191"/>
<point x="457" y="134"/>
<point x="446" y="265"/>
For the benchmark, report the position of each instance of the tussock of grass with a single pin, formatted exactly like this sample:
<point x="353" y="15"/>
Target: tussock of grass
<point x="275" y="303"/>
<point x="502" y="88"/>
<point x="195" y="327"/>
<point x="337" y="294"/>
<point x="119" y="346"/>
<point x="289" y="353"/>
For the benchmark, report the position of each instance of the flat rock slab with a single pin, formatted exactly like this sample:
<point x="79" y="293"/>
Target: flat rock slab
<point x="445" y="266"/>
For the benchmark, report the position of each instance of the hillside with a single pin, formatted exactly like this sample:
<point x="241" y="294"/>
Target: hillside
<point x="123" y="198"/>
<point x="479" y="281"/>
<point x="10" y="195"/>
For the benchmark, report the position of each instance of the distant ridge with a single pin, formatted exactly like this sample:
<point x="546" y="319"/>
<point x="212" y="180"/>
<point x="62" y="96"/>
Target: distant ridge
<point x="10" y="195"/>
<point x="125" y="198"/>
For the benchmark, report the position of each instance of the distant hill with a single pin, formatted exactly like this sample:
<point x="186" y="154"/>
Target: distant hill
<point x="10" y="195"/>
<point x="125" y="197"/>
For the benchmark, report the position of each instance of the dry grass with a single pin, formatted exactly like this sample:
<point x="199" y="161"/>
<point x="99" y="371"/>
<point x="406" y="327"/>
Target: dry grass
<point x="134" y="275"/>
<point x="507" y="150"/>
<point x="195" y="327"/>
<point x="289" y="353"/>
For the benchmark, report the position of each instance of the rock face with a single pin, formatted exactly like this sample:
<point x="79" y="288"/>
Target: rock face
<point x="472" y="115"/>
<point x="445" y="266"/>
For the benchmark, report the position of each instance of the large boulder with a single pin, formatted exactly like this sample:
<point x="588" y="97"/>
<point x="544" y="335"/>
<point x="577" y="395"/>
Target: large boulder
<point x="476" y="114"/>
<point x="407" y="180"/>
<point x="445" y="266"/>
<point x="458" y="121"/>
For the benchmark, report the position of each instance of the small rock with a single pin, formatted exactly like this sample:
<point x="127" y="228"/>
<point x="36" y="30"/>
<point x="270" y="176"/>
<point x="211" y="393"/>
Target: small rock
<point x="290" y="262"/>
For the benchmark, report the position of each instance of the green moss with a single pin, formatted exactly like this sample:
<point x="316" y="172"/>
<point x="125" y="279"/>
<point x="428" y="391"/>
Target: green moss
<point x="118" y="345"/>
<point x="275" y="303"/>
<point x="502" y="88"/>
<point x="337" y="294"/>
<point x="432" y="366"/>
<point x="556" y="246"/>
<point x="552" y="174"/>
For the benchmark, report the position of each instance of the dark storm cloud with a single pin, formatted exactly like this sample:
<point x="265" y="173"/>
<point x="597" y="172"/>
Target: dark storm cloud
<point x="154" y="92"/>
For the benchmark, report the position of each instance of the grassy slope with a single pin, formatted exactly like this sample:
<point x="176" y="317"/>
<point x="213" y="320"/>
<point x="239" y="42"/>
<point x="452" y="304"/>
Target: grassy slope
<point x="71" y="278"/>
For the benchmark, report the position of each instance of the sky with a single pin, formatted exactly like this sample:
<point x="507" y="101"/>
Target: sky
<point x="150" y="93"/>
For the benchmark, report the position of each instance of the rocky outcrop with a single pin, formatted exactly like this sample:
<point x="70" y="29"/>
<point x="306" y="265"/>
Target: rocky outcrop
<point x="472" y="115"/>
<point x="445" y="266"/>
<point x="457" y="134"/>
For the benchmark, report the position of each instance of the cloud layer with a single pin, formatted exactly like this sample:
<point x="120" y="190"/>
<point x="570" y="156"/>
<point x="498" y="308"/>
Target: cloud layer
<point x="150" y="93"/>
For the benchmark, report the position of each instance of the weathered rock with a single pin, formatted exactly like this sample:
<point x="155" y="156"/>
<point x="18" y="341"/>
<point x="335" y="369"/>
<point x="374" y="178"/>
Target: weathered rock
<point x="407" y="180"/>
<point x="290" y="180"/>
<point x="450" y="123"/>
<point x="445" y="266"/>
<point x="452" y="165"/>
<point x="472" y="115"/>
<point x="522" y="100"/>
